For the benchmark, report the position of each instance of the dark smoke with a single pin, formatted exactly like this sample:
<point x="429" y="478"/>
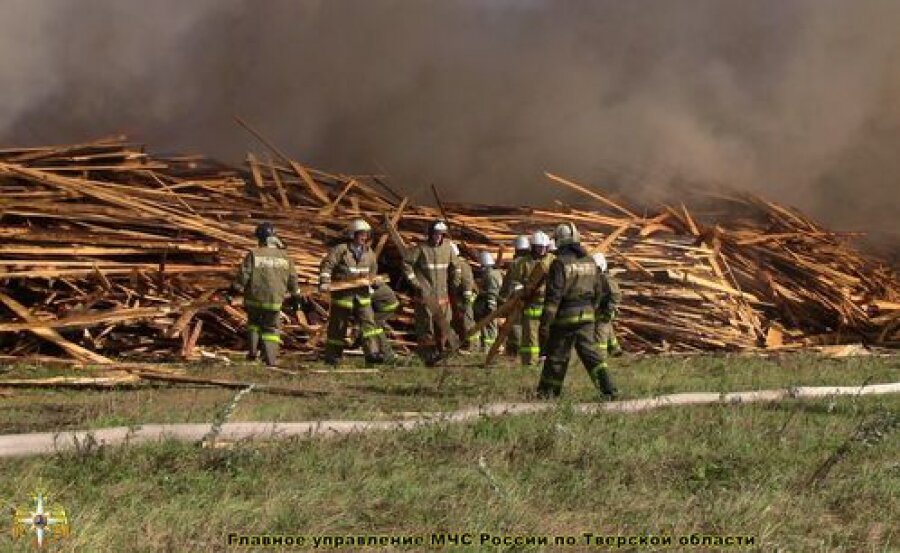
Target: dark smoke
<point x="798" y="99"/>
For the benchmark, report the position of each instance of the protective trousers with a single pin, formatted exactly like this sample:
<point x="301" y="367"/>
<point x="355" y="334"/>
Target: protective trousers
<point x="514" y="339"/>
<point x="263" y="325"/>
<point x="559" y="349"/>
<point x="607" y="343"/>
<point x="342" y="311"/>
<point x="384" y="343"/>
<point x="529" y="346"/>
<point x="489" y="332"/>
<point x="463" y="317"/>
<point x="428" y="331"/>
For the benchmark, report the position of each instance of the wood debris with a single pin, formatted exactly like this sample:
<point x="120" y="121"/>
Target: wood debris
<point x="108" y="252"/>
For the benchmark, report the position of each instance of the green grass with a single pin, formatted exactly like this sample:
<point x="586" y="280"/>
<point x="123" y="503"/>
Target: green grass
<point x="710" y="470"/>
<point x="394" y="391"/>
<point x="726" y="470"/>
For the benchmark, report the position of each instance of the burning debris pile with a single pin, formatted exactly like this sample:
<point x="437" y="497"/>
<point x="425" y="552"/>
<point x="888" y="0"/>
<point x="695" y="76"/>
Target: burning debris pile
<point x="110" y="252"/>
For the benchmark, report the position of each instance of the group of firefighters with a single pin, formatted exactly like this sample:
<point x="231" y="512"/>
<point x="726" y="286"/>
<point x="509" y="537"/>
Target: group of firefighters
<point x="569" y="300"/>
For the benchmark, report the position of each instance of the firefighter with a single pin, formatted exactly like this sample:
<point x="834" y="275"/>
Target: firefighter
<point x="489" y="282"/>
<point x="521" y="247"/>
<point x="573" y="292"/>
<point x="607" y="309"/>
<point x="432" y="270"/>
<point x="351" y="260"/>
<point x="266" y="275"/>
<point x="462" y="299"/>
<point x="533" y="307"/>
<point x="385" y="304"/>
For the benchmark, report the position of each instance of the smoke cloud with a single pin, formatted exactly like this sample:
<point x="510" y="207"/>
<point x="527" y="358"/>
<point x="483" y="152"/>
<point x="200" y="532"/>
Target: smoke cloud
<point x="797" y="99"/>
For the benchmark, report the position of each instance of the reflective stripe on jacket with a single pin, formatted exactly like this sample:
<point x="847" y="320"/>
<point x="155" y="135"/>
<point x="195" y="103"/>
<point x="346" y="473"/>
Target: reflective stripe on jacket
<point x="572" y="289"/>
<point x="437" y="267"/>
<point x="341" y="264"/>
<point x="266" y="275"/>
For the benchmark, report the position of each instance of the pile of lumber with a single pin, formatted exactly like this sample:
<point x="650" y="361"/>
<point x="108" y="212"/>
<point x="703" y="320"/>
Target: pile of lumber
<point x="108" y="251"/>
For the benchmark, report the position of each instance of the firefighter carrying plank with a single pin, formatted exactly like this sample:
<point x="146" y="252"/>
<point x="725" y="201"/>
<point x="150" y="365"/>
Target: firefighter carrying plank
<point x="533" y="307"/>
<point x="351" y="260"/>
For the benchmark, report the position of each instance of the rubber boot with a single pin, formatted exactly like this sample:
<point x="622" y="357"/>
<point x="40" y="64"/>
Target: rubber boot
<point x="270" y="353"/>
<point x="604" y="384"/>
<point x="428" y="355"/>
<point x="384" y="345"/>
<point x="253" y="340"/>
<point x="332" y="355"/>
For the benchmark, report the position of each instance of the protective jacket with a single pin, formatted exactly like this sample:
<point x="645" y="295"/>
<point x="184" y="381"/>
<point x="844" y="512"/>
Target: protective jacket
<point x="608" y="298"/>
<point x="519" y="274"/>
<point x="266" y="275"/>
<point x="466" y="281"/>
<point x="345" y="262"/>
<point x="433" y="269"/>
<point x="489" y="285"/>
<point x="572" y="289"/>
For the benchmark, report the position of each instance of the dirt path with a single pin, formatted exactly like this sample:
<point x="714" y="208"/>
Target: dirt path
<point x="43" y="443"/>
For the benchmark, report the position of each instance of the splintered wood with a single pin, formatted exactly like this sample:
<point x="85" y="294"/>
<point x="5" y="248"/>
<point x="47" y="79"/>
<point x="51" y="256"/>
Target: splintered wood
<point x="108" y="252"/>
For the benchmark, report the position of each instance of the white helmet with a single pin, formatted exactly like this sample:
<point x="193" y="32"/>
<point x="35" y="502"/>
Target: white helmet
<point x="600" y="260"/>
<point x="358" y="225"/>
<point x="455" y="248"/>
<point x="438" y="226"/>
<point x="521" y="242"/>
<point x="566" y="234"/>
<point x="540" y="238"/>
<point x="486" y="259"/>
<point x="552" y="245"/>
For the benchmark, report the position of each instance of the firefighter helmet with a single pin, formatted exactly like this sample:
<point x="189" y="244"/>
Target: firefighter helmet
<point x="521" y="243"/>
<point x="566" y="234"/>
<point x="486" y="259"/>
<point x="540" y="238"/>
<point x="358" y="225"/>
<point x="438" y="226"/>
<point x="600" y="260"/>
<point x="455" y="248"/>
<point x="264" y="231"/>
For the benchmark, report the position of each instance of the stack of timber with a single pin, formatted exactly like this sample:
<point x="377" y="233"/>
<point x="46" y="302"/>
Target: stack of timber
<point x="108" y="251"/>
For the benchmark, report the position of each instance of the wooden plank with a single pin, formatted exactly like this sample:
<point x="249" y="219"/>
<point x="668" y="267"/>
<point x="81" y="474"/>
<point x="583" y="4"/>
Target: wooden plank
<point x="51" y="335"/>
<point x="591" y="193"/>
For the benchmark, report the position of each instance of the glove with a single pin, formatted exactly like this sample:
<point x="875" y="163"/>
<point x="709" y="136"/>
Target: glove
<point x="324" y="287"/>
<point x="291" y="306"/>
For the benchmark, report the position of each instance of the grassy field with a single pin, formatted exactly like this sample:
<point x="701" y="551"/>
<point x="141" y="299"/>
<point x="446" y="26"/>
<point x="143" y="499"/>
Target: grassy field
<point x="812" y="475"/>
<point x="413" y="389"/>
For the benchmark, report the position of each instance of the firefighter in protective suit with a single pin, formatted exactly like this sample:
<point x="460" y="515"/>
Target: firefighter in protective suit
<point x="572" y="294"/>
<point x="607" y="309"/>
<point x="521" y="248"/>
<point x="462" y="298"/>
<point x="266" y="275"/>
<point x="351" y="260"/>
<point x="533" y="308"/>
<point x="432" y="270"/>
<point x="489" y="283"/>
